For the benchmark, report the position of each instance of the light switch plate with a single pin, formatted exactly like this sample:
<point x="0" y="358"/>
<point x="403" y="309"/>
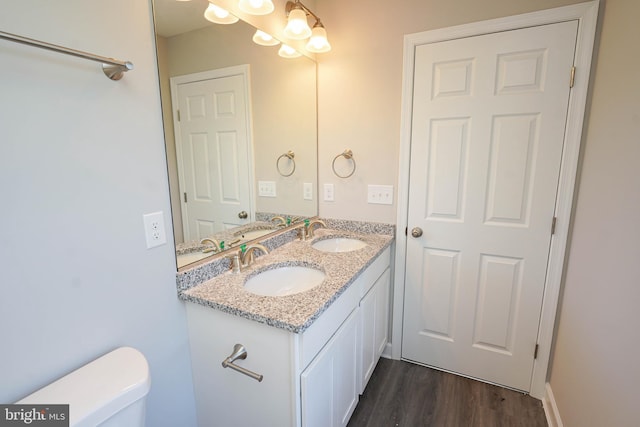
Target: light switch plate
<point x="307" y="191"/>
<point x="266" y="189"/>
<point x="154" y="229"/>
<point x="380" y="194"/>
<point x="328" y="192"/>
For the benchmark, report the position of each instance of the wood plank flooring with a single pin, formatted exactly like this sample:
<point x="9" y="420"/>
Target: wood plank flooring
<point x="401" y="394"/>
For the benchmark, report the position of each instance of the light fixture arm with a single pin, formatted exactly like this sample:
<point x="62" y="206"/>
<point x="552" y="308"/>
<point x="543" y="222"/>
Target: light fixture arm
<point x="292" y="5"/>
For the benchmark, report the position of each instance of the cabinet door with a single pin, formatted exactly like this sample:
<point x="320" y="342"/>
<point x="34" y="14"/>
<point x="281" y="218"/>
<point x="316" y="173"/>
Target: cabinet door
<point x="329" y="393"/>
<point x="374" y="315"/>
<point x="381" y="334"/>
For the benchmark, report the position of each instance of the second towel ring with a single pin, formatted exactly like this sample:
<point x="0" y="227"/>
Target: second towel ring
<point x="289" y="155"/>
<point x="347" y="154"/>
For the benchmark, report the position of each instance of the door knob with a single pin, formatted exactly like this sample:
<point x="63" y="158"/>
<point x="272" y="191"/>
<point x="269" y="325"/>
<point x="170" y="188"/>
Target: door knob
<point x="243" y="215"/>
<point x="416" y="231"/>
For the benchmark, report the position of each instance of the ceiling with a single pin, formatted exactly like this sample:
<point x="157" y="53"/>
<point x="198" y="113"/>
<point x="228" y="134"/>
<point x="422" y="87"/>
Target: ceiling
<point x="176" y="17"/>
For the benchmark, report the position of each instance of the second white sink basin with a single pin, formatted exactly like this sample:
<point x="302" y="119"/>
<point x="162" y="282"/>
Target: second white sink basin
<point x="284" y="281"/>
<point x="338" y="244"/>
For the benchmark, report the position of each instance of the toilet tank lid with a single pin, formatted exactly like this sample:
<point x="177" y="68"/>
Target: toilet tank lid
<point x="100" y="388"/>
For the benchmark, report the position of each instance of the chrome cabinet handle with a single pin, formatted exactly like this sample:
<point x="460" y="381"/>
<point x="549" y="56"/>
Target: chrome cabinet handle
<point x="243" y="215"/>
<point x="416" y="232"/>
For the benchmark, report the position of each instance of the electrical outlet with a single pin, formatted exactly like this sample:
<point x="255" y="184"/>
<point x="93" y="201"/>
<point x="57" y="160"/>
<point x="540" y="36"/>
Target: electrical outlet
<point x="328" y="192"/>
<point x="380" y="194"/>
<point x="266" y="189"/>
<point x="307" y="191"/>
<point x="154" y="229"/>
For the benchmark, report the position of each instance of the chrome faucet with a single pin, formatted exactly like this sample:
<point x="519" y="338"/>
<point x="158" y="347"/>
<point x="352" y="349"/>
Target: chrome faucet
<point x="307" y="231"/>
<point x="214" y="242"/>
<point x="247" y="257"/>
<point x="281" y="221"/>
<point x="244" y="258"/>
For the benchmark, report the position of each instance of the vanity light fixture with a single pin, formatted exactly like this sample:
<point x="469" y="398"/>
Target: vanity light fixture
<point x="298" y="28"/>
<point x="256" y="7"/>
<point x="218" y="15"/>
<point x="288" y="52"/>
<point x="318" y="42"/>
<point x="264" y="39"/>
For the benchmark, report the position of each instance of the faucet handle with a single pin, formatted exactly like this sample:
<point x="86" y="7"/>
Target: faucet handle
<point x="303" y="230"/>
<point x="236" y="261"/>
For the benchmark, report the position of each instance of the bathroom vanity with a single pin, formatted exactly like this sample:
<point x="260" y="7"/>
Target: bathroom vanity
<point x="315" y="349"/>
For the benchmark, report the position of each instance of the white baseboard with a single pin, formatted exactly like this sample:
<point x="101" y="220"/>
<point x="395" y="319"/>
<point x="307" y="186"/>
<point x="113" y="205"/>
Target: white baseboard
<point x="550" y="408"/>
<point x="386" y="353"/>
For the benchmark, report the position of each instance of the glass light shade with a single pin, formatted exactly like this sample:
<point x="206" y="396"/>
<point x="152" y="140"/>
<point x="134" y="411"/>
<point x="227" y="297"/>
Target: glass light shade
<point x="297" y="27"/>
<point x="218" y="15"/>
<point x="318" y="42"/>
<point x="264" y="39"/>
<point x="287" y="51"/>
<point x="256" y="7"/>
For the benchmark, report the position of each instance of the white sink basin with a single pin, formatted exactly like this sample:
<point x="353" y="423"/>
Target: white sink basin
<point x="284" y="281"/>
<point x="338" y="244"/>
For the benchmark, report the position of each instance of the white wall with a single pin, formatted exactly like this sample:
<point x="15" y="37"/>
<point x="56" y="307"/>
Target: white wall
<point x="595" y="372"/>
<point x="81" y="160"/>
<point x="360" y="83"/>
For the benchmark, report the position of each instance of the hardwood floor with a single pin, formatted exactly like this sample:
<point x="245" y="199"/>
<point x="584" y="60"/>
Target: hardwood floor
<point x="401" y="394"/>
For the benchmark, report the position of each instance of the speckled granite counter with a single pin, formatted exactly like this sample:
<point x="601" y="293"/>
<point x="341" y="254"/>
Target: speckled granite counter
<point x="296" y="312"/>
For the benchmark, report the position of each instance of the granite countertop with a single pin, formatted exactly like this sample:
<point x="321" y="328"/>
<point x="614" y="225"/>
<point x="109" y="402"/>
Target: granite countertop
<point x="295" y="312"/>
<point x="234" y="235"/>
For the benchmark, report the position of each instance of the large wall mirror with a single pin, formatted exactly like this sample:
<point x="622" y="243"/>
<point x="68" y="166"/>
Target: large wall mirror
<point x="243" y="146"/>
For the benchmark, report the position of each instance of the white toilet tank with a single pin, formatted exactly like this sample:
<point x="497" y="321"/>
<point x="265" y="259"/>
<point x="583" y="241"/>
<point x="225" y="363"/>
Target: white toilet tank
<point x="110" y="391"/>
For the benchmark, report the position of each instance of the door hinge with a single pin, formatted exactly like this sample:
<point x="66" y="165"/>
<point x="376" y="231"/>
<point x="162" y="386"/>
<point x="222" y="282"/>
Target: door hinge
<point x="535" y="352"/>
<point x="185" y="197"/>
<point x="178" y="111"/>
<point x="573" y="76"/>
<point x="553" y="225"/>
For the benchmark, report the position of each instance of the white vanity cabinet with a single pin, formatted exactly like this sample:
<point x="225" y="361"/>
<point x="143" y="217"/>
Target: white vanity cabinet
<point x="310" y="379"/>
<point x="330" y="384"/>
<point x="374" y="327"/>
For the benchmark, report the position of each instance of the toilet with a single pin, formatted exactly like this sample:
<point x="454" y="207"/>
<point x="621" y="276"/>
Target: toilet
<point x="110" y="391"/>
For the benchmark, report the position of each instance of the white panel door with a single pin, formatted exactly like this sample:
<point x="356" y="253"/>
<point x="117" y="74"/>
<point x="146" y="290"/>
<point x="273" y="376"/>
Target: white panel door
<point x="488" y="127"/>
<point x="213" y="155"/>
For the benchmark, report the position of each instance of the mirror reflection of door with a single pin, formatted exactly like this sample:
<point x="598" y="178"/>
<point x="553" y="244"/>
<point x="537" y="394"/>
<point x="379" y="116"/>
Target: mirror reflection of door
<point x="213" y="147"/>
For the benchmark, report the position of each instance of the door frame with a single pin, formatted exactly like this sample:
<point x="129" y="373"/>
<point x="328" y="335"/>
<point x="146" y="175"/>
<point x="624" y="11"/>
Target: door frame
<point x="586" y="14"/>
<point x="174" y="82"/>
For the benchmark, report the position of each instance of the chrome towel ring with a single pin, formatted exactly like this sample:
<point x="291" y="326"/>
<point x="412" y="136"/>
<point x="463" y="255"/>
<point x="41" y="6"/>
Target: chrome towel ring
<point x="347" y="154"/>
<point x="289" y="155"/>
